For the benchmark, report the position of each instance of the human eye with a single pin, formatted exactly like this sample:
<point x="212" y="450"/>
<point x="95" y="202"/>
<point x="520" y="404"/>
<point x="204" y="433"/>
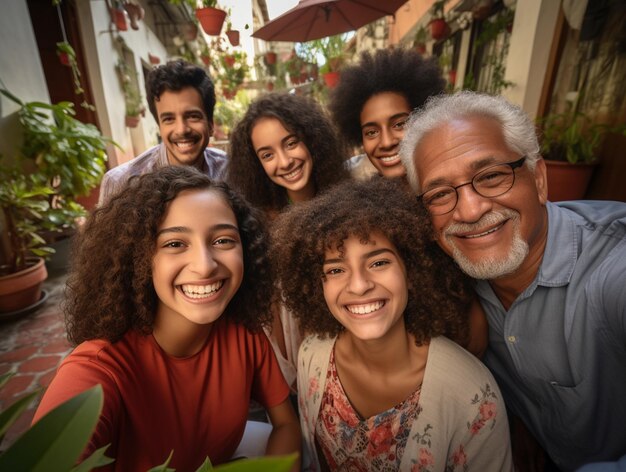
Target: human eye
<point x="492" y="177"/>
<point x="439" y="196"/>
<point x="226" y="242"/>
<point x="264" y="156"/>
<point x="173" y="244"/>
<point x="195" y="116"/>
<point x="167" y="119"/>
<point x="370" y="133"/>
<point x="399" y="125"/>
<point x="380" y="263"/>
<point x="333" y="271"/>
<point x="292" y="143"/>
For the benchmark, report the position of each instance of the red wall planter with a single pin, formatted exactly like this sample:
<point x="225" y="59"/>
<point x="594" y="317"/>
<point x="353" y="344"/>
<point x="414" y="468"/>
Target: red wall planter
<point x="438" y="28"/>
<point x="211" y="20"/>
<point x="233" y="37"/>
<point x="567" y="181"/>
<point x="331" y="79"/>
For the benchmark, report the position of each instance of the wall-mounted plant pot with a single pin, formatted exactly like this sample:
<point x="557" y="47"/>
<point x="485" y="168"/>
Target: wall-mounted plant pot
<point x="132" y="121"/>
<point x="269" y="86"/>
<point x="206" y="59"/>
<point x="64" y="59"/>
<point x="567" y="181"/>
<point x="211" y="19"/>
<point x="482" y="9"/>
<point x="420" y="48"/>
<point x="331" y="79"/>
<point x="438" y="29"/>
<point x="229" y="94"/>
<point x="233" y="37"/>
<point x="270" y="58"/>
<point x="154" y="60"/>
<point x="119" y="17"/>
<point x="229" y="60"/>
<point x="22" y="289"/>
<point x="452" y="77"/>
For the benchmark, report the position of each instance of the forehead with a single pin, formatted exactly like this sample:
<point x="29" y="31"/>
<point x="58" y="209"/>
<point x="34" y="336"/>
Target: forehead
<point x="357" y="243"/>
<point x="459" y="146"/>
<point x="198" y="207"/>
<point x="185" y="98"/>
<point x="382" y="106"/>
<point x="268" y="127"/>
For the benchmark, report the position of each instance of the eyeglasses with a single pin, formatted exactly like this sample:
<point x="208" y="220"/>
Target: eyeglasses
<point x="491" y="182"/>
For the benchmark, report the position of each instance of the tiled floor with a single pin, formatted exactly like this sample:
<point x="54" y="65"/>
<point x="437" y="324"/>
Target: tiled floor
<point x="32" y="348"/>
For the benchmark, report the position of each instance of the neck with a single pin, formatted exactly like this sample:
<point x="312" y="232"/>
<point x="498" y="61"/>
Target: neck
<point x="180" y="338"/>
<point x="303" y="195"/>
<point x="396" y="351"/>
<point x="509" y="287"/>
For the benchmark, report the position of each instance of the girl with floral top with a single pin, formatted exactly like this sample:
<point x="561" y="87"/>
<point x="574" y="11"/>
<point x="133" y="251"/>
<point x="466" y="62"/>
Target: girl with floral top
<point x="379" y="387"/>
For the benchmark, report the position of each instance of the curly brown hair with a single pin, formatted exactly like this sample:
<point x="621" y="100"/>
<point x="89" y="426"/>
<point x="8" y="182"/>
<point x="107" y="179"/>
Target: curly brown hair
<point x="387" y="70"/>
<point x="301" y="116"/>
<point x="439" y="294"/>
<point x="109" y="290"/>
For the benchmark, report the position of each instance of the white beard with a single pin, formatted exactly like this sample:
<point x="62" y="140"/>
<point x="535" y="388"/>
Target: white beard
<point x="490" y="267"/>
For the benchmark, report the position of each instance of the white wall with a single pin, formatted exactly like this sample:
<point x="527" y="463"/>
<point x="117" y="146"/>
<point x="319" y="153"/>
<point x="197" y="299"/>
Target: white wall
<point x="21" y="72"/>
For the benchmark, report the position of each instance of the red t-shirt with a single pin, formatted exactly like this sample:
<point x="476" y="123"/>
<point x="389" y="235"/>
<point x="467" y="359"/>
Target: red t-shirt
<point x="155" y="403"/>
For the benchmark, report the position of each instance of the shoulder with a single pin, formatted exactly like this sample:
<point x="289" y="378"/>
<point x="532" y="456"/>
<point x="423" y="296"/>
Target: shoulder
<point x="314" y="353"/>
<point x="216" y="161"/>
<point x="603" y="217"/>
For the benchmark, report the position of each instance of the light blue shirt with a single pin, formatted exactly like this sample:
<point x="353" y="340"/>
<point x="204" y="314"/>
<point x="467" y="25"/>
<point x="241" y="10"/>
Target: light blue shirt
<point x="559" y="352"/>
<point x="151" y="160"/>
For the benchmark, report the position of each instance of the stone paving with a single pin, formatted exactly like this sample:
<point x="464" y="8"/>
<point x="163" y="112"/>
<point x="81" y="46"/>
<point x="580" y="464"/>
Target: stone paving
<point x="32" y="348"/>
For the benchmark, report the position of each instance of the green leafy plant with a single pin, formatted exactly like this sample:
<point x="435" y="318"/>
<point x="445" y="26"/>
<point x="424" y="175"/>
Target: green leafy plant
<point x="66" y="52"/>
<point x="437" y="9"/>
<point x="573" y="137"/>
<point x="332" y="48"/>
<point x="57" y="440"/>
<point x="234" y="70"/>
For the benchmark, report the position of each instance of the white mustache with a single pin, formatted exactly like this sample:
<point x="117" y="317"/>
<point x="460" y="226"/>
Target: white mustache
<point x="488" y="219"/>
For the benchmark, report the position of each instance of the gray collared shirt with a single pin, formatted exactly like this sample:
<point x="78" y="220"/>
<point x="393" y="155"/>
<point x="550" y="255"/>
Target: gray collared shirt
<point x="559" y="352"/>
<point x="151" y="160"/>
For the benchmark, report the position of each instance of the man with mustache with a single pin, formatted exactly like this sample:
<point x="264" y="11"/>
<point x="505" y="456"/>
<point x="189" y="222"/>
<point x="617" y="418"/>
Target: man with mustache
<point x="181" y="97"/>
<point x="550" y="276"/>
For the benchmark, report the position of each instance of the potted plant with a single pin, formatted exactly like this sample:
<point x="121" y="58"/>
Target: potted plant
<point x="569" y="144"/>
<point x="332" y="49"/>
<point x="421" y="36"/>
<point x="67" y="57"/>
<point x="439" y="28"/>
<point x="231" y="34"/>
<point x="210" y="17"/>
<point x="233" y="71"/>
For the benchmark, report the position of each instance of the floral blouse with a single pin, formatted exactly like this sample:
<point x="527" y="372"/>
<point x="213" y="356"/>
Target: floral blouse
<point x="458" y="422"/>
<point x="352" y="443"/>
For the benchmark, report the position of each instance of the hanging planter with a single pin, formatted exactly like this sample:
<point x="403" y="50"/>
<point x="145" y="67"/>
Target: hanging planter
<point x="228" y="93"/>
<point x="211" y="19"/>
<point x="206" y="59"/>
<point x="135" y="13"/>
<point x="132" y="121"/>
<point x="421" y="48"/>
<point x="270" y="57"/>
<point x="438" y="29"/>
<point x="154" y="60"/>
<point x="331" y="79"/>
<point x="229" y="60"/>
<point x="233" y="37"/>
<point x="452" y="77"/>
<point x="269" y="86"/>
<point x="482" y="9"/>
<point x="119" y="17"/>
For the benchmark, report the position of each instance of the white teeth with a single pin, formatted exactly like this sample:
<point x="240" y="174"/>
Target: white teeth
<point x="201" y="291"/>
<point x="365" y="309"/>
<point x="293" y="174"/>
<point x="184" y="144"/>
<point x="389" y="158"/>
<point x="485" y="233"/>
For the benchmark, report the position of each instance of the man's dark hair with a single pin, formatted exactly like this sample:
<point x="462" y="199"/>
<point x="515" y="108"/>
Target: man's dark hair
<point x="175" y="76"/>
<point x="401" y="71"/>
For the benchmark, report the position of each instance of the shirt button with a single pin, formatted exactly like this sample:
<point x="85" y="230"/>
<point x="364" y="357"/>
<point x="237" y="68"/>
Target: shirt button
<point x="511" y="339"/>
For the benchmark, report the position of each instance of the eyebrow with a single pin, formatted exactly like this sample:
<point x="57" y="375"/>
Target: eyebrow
<point x="286" y="138"/>
<point x="373" y="253"/>
<point x="184" y="229"/>
<point x="391" y="118"/>
<point x="474" y="166"/>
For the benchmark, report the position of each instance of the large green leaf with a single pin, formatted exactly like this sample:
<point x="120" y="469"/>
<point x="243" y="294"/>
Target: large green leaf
<point x="96" y="459"/>
<point x="56" y="441"/>
<point x="8" y="416"/>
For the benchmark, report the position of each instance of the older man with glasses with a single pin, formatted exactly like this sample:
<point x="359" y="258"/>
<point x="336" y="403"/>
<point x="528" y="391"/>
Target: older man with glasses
<point x="551" y="277"/>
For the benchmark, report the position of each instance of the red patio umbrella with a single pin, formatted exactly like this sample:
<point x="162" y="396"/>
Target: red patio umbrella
<point x="314" y="19"/>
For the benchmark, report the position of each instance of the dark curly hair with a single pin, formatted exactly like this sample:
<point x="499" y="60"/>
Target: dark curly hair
<point x="387" y="70"/>
<point x="301" y="116"/>
<point x="109" y="290"/>
<point x="175" y="76"/>
<point x="439" y="294"/>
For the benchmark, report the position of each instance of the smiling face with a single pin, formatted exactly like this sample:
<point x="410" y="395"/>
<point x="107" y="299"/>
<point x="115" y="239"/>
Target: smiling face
<point x="198" y="263"/>
<point x="285" y="159"/>
<point x="184" y="126"/>
<point x="382" y="126"/>
<point x="365" y="287"/>
<point x="488" y="237"/>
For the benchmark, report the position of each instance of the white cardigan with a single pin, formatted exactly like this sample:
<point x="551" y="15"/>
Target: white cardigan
<point x="461" y="425"/>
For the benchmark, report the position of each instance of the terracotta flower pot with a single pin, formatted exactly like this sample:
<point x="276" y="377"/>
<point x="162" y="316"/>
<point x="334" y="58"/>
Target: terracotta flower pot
<point x="211" y="20"/>
<point x="438" y="28"/>
<point x="567" y="181"/>
<point x="206" y="59"/>
<point x="420" y="48"/>
<point x="64" y="58"/>
<point x="119" y="16"/>
<point x="154" y="59"/>
<point x="229" y="60"/>
<point x="270" y="58"/>
<point x="132" y="121"/>
<point x="233" y="37"/>
<point x="331" y="79"/>
<point x="452" y="76"/>
<point x="269" y="86"/>
<point x="22" y="289"/>
<point x="229" y="94"/>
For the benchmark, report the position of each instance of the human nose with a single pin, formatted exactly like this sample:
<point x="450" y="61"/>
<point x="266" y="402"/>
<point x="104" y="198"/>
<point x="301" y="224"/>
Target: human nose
<point x="285" y="161"/>
<point x="181" y="126"/>
<point x="358" y="282"/>
<point x="388" y="138"/>
<point x="470" y="205"/>
<point x="203" y="261"/>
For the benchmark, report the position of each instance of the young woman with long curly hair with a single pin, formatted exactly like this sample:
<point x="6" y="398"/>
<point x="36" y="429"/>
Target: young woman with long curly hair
<point x="373" y="101"/>
<point x="380" y="387"/>
<point x="284" y="150"/>
<point x="166" y="298"/>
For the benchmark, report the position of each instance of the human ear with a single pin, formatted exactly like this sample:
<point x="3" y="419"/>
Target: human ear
<point x="541" y="180"/>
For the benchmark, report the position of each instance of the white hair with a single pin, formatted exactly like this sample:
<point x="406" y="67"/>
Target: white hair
<point x="517" y="128"/>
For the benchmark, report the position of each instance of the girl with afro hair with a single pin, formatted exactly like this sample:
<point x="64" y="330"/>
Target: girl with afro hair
<point x="284" y="150"/>
<point x="380" y="386"/>
<point x="373" y="101"/>
<point x="165" y="299"/>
